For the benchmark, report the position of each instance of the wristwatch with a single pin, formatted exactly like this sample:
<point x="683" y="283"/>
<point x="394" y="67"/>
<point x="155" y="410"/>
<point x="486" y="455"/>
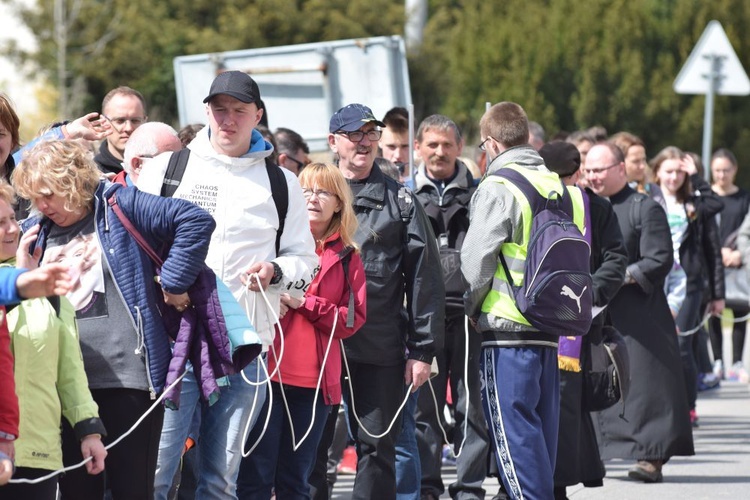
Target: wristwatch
<point x="277" y="274"/>
<point x="4" y="436"/>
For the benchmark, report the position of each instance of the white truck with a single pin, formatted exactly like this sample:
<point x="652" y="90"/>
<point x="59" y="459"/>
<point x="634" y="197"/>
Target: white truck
<point x="303" y="85"/>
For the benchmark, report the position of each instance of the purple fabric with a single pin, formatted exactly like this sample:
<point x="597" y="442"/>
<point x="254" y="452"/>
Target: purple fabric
<point x="203" y="339"/>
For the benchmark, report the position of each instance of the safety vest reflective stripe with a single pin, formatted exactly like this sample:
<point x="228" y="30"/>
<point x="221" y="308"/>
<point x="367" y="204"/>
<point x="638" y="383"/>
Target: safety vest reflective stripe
<point x="499" y="301"/>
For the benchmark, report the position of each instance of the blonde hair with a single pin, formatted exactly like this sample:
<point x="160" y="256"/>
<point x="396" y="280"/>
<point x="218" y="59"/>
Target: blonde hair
<point x="7" y="193"/>
<point x="328" y="177"/>
<point x="63" y="168"/>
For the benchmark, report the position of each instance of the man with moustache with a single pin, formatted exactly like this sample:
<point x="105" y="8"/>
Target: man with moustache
<point x="444" y="187"/>
<point x="655" y="425"/>
<point x="405" y="296"/>
<point x="125" y="110"/>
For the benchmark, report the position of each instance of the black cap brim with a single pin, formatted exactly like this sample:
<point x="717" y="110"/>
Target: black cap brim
<point x="240" y="97"/>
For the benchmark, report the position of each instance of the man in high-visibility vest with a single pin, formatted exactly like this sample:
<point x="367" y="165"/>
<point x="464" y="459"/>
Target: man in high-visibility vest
<point x="519" y="363"/>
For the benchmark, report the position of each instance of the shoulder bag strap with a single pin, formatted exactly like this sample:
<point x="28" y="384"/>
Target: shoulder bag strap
<point x="137" y="236"/>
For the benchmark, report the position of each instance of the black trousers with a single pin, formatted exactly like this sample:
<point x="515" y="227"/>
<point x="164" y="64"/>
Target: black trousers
<point x="131" y="464"/>
<point x="471" y="464"/>
<point x="46" y="490"/>
<point x="377" y="394"/>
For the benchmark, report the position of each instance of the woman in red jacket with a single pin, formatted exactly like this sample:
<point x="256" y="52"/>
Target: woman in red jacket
<point x="306" y="367"/>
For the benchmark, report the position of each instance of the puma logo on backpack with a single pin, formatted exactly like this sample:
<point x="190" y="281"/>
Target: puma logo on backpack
<point x="569" y="293"/>
<point x="557" y="264"/>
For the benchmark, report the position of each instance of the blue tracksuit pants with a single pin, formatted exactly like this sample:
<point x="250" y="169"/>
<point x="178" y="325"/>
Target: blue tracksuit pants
<point x="521" y="400"/>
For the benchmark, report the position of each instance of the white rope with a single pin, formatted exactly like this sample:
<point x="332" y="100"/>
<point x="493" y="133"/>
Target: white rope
<point x="354" y="409"/>
<point x="109" y="446"/>
<point x="466" y="397"/>
<point x="246" y="432"/>
<point x="277" y="322"/>
<point x="317" y="391"/>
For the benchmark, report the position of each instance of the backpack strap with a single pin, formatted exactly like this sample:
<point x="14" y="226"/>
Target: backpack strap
<point x="405" y="199"/>
<point x="586" y="215"/>
<point x="280" y="194"/>
<point x="279" y="189"/>
<point x="175" y="170"/>
<point x="536" y="200"/>
<point x="345" y="264"/>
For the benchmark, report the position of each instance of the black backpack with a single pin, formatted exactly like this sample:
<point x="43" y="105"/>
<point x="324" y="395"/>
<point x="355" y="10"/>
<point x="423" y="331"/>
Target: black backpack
<point x="279" y="190"/>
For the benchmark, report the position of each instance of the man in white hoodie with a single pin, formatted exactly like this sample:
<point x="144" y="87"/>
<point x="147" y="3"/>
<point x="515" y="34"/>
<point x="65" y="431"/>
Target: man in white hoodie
<point x="226" y="174"/>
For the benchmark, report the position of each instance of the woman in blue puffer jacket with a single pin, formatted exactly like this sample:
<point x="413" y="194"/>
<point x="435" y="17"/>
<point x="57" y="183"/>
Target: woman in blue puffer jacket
<point x="125" y="347"/>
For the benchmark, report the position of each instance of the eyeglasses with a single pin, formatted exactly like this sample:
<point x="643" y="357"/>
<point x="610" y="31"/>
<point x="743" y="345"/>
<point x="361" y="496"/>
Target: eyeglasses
<point x="120" y="121"/>
<point x="300" y="165"/>
<point x="358" y="135"/>
<point x="482" y="146"/>
<point x="595" y="171"/>
<point x="320" y="193"/>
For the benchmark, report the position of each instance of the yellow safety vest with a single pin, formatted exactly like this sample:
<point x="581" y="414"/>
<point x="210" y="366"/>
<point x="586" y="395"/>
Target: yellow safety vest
<point x="499" y="301"/>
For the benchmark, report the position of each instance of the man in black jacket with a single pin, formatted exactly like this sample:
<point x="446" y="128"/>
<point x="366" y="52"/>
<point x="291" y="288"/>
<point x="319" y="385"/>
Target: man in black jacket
<point x="405" y="300"/>
<point x="444" y="187"/>
<point x="125" y="110"/>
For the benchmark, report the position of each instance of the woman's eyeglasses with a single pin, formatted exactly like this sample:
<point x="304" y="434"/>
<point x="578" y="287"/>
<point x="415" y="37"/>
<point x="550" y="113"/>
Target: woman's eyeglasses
<point x="320" y="193"/>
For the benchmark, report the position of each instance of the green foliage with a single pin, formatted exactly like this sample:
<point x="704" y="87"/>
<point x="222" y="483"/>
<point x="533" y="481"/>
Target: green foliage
<point x="134" y="42"/>
<point x="575" y="64"/>
<point x="571" y="64"/>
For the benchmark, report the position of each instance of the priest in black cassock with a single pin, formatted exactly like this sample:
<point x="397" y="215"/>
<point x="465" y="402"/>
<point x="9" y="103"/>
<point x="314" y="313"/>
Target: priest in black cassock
<point x="655" y="422"/>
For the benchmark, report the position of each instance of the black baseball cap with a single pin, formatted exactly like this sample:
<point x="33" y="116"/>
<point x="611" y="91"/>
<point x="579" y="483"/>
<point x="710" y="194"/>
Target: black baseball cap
<point x="352" y="117"/>
<point x="236" y="84"/>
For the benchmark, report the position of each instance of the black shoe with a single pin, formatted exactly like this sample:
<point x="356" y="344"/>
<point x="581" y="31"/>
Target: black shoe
<point x="648" y="471"/>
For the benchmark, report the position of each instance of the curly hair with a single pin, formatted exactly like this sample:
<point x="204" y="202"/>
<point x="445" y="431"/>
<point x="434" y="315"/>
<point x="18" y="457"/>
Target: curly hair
<point x="7" y="193"/>
<point x="63" y="168"/>
<point x="328" y="177"/>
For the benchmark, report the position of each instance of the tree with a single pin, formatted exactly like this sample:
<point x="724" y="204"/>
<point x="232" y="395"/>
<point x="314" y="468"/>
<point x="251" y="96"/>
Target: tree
<point x="571" y="64"/>
<point x="576" y="64"/>
<point x="133" y="42"/>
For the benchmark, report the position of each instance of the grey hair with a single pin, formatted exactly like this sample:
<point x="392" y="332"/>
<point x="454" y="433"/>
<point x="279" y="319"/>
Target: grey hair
<point x="144" y="141"/>
<point x="438" y="122"/>
<point x="537" y="131"/>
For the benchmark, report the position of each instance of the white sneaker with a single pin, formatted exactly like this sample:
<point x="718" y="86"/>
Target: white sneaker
<point x="719" y="369"/>
<point x="738" y="372"/>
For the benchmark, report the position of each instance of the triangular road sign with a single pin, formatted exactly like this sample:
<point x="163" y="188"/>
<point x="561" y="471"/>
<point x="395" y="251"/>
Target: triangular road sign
<point x="694" y="75"/>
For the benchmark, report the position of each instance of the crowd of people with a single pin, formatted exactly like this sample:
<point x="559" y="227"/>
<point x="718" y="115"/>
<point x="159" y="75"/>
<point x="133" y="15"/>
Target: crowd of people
<point x="211" y="314"/>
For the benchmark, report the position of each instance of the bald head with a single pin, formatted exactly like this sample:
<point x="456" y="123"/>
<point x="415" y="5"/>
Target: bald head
<point x="605" y="169"/>
<point x="149" y="140"/>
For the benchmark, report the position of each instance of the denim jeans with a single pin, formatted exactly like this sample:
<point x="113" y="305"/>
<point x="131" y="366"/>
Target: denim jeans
<point x="408" y="467"/>
<point x="221" y="433"/>
<point x="275" y="462"/>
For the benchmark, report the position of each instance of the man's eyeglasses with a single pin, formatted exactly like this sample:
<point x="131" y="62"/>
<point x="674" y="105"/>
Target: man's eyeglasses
<point x="320" y="193"/>
<point x="358" y="135"/>
<point x="119" y="122"/>
<point x="595" y="171"/>
<point x="482" y="146"/>
<point x="300" y="165"/>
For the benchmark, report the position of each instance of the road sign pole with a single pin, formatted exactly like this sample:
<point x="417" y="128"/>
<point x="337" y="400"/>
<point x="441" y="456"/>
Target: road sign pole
<point x="708" y="115"/>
